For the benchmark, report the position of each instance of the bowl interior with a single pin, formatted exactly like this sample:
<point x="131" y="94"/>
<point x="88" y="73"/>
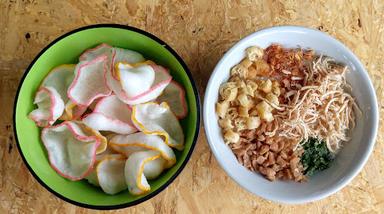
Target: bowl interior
<point x="351" y="158"/>
<point x="67" y="50"/>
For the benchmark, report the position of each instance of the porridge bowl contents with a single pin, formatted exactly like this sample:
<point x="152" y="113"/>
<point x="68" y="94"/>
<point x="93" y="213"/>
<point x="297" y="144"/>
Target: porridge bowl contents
<point x="285" y="112"/>
<point x="290" y="114"/>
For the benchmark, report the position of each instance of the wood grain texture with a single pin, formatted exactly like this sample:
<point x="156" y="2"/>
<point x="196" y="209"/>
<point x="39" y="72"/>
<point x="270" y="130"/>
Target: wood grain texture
<point x="200" y="31"/>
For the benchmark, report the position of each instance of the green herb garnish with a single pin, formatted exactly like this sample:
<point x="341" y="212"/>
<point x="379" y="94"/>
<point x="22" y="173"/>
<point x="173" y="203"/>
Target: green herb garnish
<point x="316" y="156"/>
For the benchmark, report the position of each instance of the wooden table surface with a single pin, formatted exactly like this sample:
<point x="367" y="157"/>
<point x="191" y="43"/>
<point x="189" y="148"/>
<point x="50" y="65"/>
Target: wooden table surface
<point x="200" y="31"/>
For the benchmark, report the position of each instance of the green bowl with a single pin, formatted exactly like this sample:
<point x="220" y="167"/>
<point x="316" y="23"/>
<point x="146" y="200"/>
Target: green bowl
<point x="67" y="49"/>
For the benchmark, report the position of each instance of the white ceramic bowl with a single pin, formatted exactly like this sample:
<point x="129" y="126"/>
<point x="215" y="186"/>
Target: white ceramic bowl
<point x="351" y="158"/>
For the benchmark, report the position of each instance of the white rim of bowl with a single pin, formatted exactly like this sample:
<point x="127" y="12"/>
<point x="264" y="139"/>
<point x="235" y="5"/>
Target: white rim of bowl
<point x="359" y="68"/>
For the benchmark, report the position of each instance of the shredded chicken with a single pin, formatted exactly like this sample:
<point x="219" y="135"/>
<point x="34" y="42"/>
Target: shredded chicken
<point x="321" y="108"/>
